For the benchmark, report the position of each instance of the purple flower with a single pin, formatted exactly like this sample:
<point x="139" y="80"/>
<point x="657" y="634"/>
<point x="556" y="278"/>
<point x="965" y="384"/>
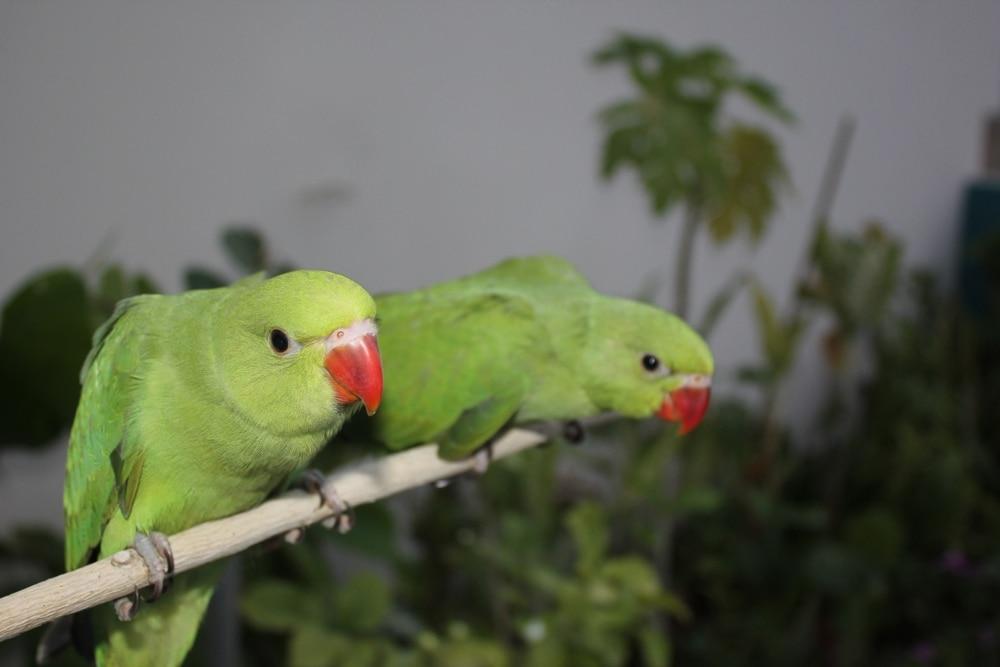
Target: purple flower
<point x="923" y="652"/>
<point x="954" y="561"/>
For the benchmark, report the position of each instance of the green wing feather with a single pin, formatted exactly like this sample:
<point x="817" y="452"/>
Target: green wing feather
<point x="478" y="425"/>
<point x="458" y="341"/>
<point x="99" y="435"/>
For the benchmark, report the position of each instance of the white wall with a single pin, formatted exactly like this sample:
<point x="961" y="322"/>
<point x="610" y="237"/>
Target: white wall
<point x="463" y="131"/>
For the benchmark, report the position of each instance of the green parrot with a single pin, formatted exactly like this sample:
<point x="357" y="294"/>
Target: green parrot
<point x="197" y="406"/>
<point x="527" y="340"/>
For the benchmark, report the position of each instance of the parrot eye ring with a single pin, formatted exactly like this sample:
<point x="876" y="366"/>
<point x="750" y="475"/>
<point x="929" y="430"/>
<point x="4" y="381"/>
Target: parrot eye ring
<point x="650" y="362"/>
<point x="279" y="341"/>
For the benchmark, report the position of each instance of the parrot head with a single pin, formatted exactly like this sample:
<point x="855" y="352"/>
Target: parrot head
<point x="298" y="353"/>
<point x="642" y="361"/>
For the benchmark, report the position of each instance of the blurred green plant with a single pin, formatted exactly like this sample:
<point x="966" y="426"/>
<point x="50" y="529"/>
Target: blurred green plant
<point x="45" y="331"/>
<point x="678" y="134"/>
<point x="246" y="251"/>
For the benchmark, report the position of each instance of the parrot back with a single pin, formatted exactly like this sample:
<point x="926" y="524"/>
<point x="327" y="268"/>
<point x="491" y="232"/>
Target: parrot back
<point x="464" y="359"/>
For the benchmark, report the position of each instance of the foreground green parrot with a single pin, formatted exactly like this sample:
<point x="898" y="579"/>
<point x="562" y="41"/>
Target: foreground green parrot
<point x="195" y="407"/>
<point x="527" y="340"/>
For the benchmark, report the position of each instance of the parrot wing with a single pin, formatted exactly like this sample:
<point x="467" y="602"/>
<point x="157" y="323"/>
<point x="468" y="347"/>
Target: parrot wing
<point x="477" y="425"/>
<point x="475" y="347"/>
<point x="104" y="466"/>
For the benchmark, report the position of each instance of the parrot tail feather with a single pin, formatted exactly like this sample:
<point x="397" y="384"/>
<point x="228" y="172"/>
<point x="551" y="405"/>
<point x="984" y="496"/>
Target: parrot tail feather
<point x="74" y="630"/>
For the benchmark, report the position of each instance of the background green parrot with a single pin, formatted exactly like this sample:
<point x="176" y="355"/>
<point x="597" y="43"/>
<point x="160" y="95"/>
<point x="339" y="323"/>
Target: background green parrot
<point x="527" y="340"/>
<point x="195" y="407"/>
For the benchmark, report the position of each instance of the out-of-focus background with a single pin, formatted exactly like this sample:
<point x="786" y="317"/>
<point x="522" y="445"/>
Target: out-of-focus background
<point x="406" y="143"/>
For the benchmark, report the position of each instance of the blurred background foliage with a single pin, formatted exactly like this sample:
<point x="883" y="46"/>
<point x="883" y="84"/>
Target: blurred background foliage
<point x="871" y="538"/>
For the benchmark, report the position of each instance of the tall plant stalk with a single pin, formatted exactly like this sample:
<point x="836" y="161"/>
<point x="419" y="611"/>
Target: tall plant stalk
<point x="832" y="172"/>
<point x="685" y="252"/>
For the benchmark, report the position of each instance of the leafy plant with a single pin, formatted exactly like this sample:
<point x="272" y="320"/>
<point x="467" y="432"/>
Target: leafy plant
<point x="247" y="252"/>
<point x="687" y="150"/>
<point x="45" y="331"/>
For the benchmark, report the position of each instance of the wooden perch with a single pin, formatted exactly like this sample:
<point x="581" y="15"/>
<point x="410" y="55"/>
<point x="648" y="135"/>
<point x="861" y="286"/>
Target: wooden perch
<point x="124" y="572"/>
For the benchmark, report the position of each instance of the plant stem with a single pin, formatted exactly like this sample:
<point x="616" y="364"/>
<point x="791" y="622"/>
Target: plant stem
<point x="829" y="185"/>
<point x="674" y="468"/>
<point x="682" y="279"/>
<point x="832" y="172"/>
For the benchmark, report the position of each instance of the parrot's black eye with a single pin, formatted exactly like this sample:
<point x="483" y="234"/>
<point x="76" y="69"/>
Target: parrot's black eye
<point x="650" y="362"/>
<point x="279" y="341"/>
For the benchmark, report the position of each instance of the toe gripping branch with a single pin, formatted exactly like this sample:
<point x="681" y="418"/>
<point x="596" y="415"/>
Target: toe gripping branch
<point x="343" y="516"/>
<point x="154" y="550"/>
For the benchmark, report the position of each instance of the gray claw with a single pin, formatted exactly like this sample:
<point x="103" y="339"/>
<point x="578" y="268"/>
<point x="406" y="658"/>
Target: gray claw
<point x="162" y="545"/>
<point x="155" y="551"/>
<point x="126" y="608"/>
<point x="343" y="517"/>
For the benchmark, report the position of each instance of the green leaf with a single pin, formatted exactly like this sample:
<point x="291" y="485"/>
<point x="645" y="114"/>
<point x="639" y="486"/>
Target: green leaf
<point x="636" y="577"/>
<point x="245" y="248"/>
<point x="115" y="285"/>
<point x="855" y="278"/>
<point x="197" y="277"/>
<point x="306" y="564"/>
<point x="744" y="197"/>
<point x="779" y="339"/>
<point x="279" y="606"/>
<point x="373" y="534"/>
<point x="768" y="328"/>
<point x="143" y="284"/>
<point x="111" y="287"/>
<point x="655" y="647"/>
<point x="460" y="649"/>
<point x="832" y="569"/>
<point x="877" y="535"/>
<point x="767" y="98"/>
<point x="588" y="524"/>
<point x="314" y="646"/>
<point x="363" y="603"/>
<point x="45" y="332"/>
<point x="697" y="499"/>
<point x="548" y="653"/>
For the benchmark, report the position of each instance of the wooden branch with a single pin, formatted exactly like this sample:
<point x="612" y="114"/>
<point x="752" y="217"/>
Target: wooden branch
<point x="124" y="572"/>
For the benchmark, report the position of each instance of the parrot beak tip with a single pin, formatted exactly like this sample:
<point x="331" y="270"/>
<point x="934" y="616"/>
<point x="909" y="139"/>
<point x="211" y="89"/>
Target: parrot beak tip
<point x="355" y="369"/>
<point x="687" y="405"/>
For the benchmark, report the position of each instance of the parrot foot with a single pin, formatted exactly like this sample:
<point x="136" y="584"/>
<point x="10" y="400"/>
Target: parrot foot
<point x="126" y="608"/>
<point x="343" y="517"/>
<point x="573" y="432"/>
<point x="155" y="551"/>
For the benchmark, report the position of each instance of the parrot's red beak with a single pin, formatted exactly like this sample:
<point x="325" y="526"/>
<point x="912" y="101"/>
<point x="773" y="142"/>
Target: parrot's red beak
<point x="687" y="404"/>
<point x="354" y="365"/>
